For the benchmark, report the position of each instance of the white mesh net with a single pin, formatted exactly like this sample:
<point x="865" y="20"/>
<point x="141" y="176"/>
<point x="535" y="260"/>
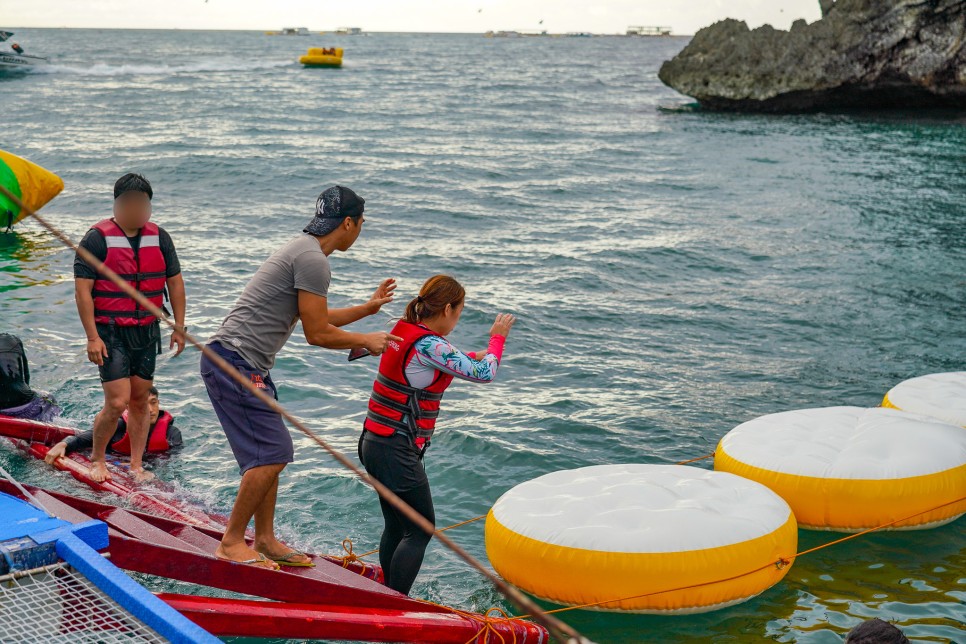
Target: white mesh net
<point x="58" y="604"/>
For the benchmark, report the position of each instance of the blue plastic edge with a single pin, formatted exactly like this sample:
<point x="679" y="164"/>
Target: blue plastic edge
<point x="133" y="597"/>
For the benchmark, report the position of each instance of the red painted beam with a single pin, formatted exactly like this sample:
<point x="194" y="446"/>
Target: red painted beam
<point x="331" y="584"/>
<point x="129" y="524"/>
<point x="31" y="430"/>
<point x="247" y="618"/>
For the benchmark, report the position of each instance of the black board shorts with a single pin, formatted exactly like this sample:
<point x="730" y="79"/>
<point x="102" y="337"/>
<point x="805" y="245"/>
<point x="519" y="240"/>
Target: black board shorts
<point x="131" y="351"/>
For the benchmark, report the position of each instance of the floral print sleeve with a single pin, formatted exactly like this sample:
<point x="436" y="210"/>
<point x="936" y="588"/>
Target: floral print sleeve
<point x="437" y="353"/>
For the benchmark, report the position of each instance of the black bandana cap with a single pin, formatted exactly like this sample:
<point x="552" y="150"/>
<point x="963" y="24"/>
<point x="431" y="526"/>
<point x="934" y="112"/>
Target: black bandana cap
<point x="332" y="206"/>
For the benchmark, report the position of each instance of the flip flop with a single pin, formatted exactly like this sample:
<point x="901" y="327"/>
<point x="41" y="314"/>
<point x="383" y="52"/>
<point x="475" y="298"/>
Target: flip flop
<point x="260" y="559"/>
<point x="286" y="559"/>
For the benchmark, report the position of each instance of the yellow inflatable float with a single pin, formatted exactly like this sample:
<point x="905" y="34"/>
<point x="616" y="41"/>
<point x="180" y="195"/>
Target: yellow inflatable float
<point x="30" y="183"/>
<point x="940" y="395"/>
<point x="634" y="532"/>
<point x="852" y="468"/>
<point x="322" y="57"/>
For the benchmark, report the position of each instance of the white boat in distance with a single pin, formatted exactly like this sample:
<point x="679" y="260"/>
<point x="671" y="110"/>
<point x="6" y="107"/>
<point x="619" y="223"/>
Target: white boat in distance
<point x="13" y="57"/>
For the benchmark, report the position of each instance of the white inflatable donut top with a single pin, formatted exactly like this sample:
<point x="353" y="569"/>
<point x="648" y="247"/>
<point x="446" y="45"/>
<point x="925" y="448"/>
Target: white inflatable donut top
<point x="641" y="509"/>
<point x="848" y="443"/>
<point x="940" y="395"/>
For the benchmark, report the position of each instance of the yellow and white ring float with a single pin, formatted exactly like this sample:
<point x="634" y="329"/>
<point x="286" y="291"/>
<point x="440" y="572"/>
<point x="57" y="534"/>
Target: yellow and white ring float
<point x="940" y="395"/>
<point x="852" y="468"/>
<point x="612" y="532"/>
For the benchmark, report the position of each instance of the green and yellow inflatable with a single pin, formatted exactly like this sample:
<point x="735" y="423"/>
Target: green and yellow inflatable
<point x="33" y="185"/>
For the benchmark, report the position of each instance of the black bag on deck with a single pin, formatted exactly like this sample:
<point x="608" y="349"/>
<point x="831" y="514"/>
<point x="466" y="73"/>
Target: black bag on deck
<point x="14" y="374"/>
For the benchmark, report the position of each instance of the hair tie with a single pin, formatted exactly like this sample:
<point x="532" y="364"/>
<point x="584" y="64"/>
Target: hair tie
<point x="419" y="299"/>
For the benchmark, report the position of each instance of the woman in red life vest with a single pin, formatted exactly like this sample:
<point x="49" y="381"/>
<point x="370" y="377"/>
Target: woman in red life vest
<point x="405" y="402"/>
<point x="162" y="434"/>
<point x="124" y="339"/>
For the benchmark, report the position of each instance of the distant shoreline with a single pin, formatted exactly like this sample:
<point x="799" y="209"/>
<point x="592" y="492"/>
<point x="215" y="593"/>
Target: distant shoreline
<point x="331" y="32"/>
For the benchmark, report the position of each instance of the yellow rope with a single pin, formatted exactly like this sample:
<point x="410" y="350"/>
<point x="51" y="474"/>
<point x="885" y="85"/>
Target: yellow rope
<point x="487" y="622"/>
<point x="695" y="460"/>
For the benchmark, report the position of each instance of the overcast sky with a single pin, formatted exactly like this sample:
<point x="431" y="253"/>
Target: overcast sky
<point x="604" y="16"/>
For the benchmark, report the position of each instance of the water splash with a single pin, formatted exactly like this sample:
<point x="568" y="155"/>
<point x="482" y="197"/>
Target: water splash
<point x="218" y="65"/>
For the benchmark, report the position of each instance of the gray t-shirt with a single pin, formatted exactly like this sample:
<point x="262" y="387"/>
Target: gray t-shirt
<point x="266" y="313"/>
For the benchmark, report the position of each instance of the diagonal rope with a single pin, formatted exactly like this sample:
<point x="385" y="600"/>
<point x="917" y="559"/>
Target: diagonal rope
<point x="557" y="628"/>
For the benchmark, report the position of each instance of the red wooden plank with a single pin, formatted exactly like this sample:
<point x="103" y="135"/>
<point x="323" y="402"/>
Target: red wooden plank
<point x="239" y="617"/>
<point x="208" y="545"/>
<point x="144" y="531"/>
<point x="197" y="538"/>
<point x="93" y="508"/>
<point x="328" y="585"/>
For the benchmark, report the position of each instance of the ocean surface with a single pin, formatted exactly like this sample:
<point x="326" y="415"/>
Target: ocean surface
<point x="675" y="273"/>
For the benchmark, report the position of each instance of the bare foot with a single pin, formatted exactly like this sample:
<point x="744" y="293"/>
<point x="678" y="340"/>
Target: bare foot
<point x="242" y="554"/>
<point x="141" y="475"/>
<point x="285" y="555"/>
<point x="98" y="472"/>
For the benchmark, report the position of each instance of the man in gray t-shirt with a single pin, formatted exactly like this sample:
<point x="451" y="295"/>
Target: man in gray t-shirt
<point x="291" y="285"/>
<point x="267" y="311"/>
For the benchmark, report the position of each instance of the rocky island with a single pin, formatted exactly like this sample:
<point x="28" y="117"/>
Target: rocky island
<point x="866" y="54"/>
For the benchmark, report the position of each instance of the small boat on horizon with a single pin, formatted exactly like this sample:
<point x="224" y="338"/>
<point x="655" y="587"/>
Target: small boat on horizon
<point x="290" y="31"/>
<point x="648" y="31"/>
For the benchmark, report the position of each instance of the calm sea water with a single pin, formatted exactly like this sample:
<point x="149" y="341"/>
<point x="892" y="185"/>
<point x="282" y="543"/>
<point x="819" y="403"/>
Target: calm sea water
<point x="675" y="272"/>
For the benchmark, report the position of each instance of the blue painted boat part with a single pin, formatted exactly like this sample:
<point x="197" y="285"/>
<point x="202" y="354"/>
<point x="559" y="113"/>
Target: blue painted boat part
<point x="30" y="538"/>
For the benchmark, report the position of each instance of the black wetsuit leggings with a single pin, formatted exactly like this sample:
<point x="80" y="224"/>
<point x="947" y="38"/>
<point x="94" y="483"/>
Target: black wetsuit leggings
<point x="394" y="461"/>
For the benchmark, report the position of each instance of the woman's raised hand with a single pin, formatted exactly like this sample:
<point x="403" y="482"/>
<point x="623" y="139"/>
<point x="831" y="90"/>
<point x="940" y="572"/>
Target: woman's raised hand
<point x="502" y="324"/>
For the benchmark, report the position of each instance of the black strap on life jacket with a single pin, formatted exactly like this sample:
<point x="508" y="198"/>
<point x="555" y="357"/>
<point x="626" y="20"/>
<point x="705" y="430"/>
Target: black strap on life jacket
<point x="410" y="410"/>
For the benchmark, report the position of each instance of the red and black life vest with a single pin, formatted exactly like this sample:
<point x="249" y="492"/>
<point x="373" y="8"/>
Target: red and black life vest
<point x="157" y="436"/>
<point x="143" y="269"/>
<point x="395" y="405"/>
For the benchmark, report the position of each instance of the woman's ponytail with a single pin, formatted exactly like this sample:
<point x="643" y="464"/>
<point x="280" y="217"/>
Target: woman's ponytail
<point x="436" y="293"/>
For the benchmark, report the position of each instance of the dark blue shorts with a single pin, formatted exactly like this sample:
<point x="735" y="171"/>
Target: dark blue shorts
<point x="257" y="434"/>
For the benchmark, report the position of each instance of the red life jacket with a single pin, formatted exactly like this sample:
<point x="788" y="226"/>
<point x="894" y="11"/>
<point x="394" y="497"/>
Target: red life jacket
<point x="143" y="269"/>
<point x="157" y="436"/>
<point x="395" y="405"/>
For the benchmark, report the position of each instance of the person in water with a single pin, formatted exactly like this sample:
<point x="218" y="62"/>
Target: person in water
<point x="123" y="339"/>
<point x="413" y="374"/>
<point x="162" y="434"/>
<point x="17" y="398"/>
<point x="876" y="631"/>
<point x="291" y="285"/>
